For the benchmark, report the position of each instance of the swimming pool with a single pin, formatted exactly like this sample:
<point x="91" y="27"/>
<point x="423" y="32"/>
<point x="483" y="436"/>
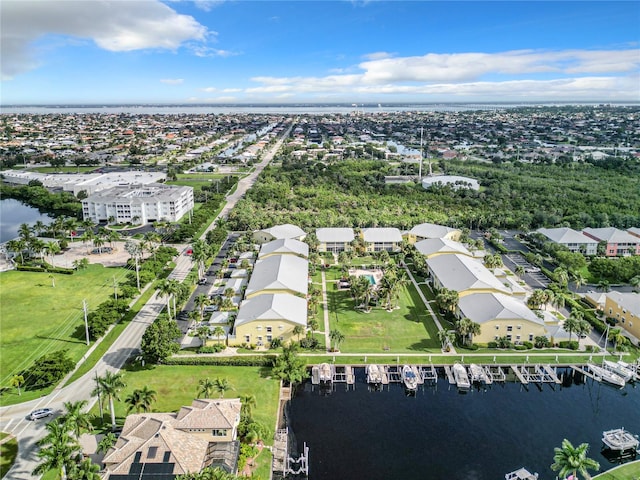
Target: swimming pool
<point x="371" y="278"/>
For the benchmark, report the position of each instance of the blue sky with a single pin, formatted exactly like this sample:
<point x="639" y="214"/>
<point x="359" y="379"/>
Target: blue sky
<point x="148" y="51"/>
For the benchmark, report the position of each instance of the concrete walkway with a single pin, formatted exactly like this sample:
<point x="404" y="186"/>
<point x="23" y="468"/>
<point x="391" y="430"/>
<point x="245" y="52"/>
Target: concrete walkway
<point x="325" y="312"/>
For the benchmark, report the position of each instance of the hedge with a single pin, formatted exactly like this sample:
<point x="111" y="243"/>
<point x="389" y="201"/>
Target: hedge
<point x="595" y="322"/>
<point x="253" y="361"/>
<point x="28" y="268"/>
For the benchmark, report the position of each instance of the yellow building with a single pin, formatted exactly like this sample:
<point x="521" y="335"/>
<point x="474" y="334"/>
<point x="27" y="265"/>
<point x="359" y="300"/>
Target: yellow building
<point x="279" y="274"/>
<point x="625" y="308"/>
<point x="432" y="247"/>
<point x="378" y="239"/>
<point x="268" y="316"/>
<point x="431" y="230"/>
<point x="335" y="240"/>
<point x="501" y="315"/>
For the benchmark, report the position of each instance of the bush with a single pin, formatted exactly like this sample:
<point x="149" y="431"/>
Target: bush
<point x="528" y="345"/>
<point x="255" y="361"/>
<point x="571" y="345"/>
<point x="212" y="348"/>
<point x="47" y="370"/>
<point x="492" y="345"/>
<point x="520" y="347"/>
<point x="309" y="343"/>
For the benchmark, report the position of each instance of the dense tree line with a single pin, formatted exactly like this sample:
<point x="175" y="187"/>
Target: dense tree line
<point x="352" y="193"/>
<point x="38" y="196"/>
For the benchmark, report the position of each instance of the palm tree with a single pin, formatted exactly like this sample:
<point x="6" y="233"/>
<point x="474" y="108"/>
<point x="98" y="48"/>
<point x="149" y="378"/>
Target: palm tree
<point x="579" y="280"/>
<point x="205" y="387"/>
<point x="108" y="441"/>
<point x="467" y="329"/>
<point x="573" y="460"/>
<point x="572" y="323"/>
<point x="618" y="339"/>
<point x="446" y="337"/>
<point x="201" y="301"/>
<point x="174" y="289"/>
<point x="218" y="332"/>
<point x="165" y="289"/>
<point x="17" y="246"/>
<point x="58" y="448"/>
<point x="85" y="470"/>
<point x="140" y="399"/>
<point x="604" y="285"/>
<point x="298" y="330"/>
<point x="336" y="337"/>
<point x="583" y="328"/>
<point x="635" y="283"/>
<point x="248" y="402"/>
<point x="221" y="385"/>
<point x="98" y="242"/>
<point x="520" y="271"/>
<point x="201" y="252"/>
<point x="76" y="418"/>
<point x="562" y="276"/>
<point x="17" y="381"/>
<point x="110" y="385"/>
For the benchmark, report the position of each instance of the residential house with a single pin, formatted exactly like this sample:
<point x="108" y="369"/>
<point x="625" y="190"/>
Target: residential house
<point x="625" y="309"/>
<point x="635" y="231"/>
<point x="268" y="316"/>
<point x="279" y="231"/>
<point x="464" y="275"/>
<point x="431" y="230"/>
<point x="500" y="315"/>
<point x="284" y="246"/>
<point x="433" y="247"/>
<point x="378" y="239"/>
<point x="573" y="240"/>
<point x="619" y="243"/>
<point x="163" y="445"/>
<point x="335" y="240"/>
<point x="279" y="274"/>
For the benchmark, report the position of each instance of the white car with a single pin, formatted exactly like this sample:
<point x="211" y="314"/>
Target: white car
<point x="210" y="308"/>
<point x="41" y="413"/>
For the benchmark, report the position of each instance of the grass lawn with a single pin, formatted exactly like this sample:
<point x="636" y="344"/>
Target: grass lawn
<point x="629" y="471"/>
<point x="36" y="318"/>
<point x="64" y="169"/>
<point x="8" y="454"/>
<point x="178" y="385"/>
<point x="407" y="329"/>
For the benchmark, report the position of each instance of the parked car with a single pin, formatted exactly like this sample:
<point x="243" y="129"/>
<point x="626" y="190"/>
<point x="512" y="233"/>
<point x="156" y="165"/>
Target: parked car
<point x="210" y="308"/>
<point x="41" y="413"/>
<point x="202" y="281"/>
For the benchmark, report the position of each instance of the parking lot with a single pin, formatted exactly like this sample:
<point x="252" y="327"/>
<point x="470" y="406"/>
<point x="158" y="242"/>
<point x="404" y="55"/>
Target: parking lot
<point x="533" y="276"/>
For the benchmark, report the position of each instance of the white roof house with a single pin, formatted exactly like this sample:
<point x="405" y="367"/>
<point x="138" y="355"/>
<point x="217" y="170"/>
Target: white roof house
<point x="279" y="306"/>
<point x="279" y="231"/>
<point x="482" y="307"/>
<point x="378" y="239"/>
<point x="571" y="239"/>
<point x="335" y="235"/>
<point x="463" y="274"/>
<point x="432" y="230"/>
<point x="618" y="241"/>
<point x="455" y="181"/>
<point x="635" y="231"/>
<point x="279" y="273"/>
<point x="284" y="246"/>
<point x="438" y="246"/>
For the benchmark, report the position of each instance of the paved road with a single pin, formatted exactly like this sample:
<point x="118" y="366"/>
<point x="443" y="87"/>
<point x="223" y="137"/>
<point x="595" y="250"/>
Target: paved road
<point x="13" y="419"/>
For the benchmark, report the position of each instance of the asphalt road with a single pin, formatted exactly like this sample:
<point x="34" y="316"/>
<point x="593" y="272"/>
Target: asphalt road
<point x="13" y="419"/>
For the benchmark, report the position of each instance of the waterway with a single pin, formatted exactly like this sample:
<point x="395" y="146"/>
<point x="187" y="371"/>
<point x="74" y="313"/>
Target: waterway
<point x="13" y="213"/>
<point x="442" y="434"/>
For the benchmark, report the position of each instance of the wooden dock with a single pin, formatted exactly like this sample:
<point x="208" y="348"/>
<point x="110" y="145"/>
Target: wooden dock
<point x="449" y="374"/>
<point x="586" y="371"/>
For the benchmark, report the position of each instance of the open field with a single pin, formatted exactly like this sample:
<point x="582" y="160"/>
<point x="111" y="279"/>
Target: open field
<point x="69" y="169"/>
<point x="409" y="328"/>
<point x="36" y="318"/>
<point x="630" y="471"/>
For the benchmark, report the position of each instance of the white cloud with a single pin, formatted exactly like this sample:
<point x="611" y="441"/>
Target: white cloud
<point x="121" y="25"/>
<point x="204" y="51"/>
<point x="172" y="81"/>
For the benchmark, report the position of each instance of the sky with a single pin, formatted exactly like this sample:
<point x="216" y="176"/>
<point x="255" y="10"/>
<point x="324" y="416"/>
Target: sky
<point x="312" y="51"/>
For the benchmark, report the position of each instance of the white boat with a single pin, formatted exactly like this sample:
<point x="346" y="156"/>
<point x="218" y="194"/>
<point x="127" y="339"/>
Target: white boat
<point x="409" y="378"/>
<point x="374" y="375"/>
<point x="521" y="474"/>
<point x="632" y="367"/>
<point x="626" y="374"/>
<point x="607" y="376"/>
<point x="620" y="439"/>
<point x="460" y="376"/>
<point x="478" y="375"/>
<point x="326" y="372"/>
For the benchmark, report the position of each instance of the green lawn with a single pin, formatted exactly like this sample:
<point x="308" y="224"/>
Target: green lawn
<point x="178" y="385"/>
<point x="64" y="169"/>
<point x="407" y="329"/>
<point x="8" y="454"/>
<point x="36" y="318"/>
<point x="630" y="471"/>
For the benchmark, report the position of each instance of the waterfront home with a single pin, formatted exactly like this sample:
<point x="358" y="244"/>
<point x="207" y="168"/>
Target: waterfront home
<point x="571" y="239"/>
<point x="284" y="246"/>
<point x="500" y="315"/>
<point x="161" y="445"/>
<point x="619" y="243"/>
<point x="432" y="230"/>
<point x="463" y="274"/>
<point x="378" y="239"/>
<point x="432" y="247"/>
<point x="335" y="240"/>
<point x="265" y="317"/>
<point x="625" y="309"/>
<point x="279" y="231"/>
<point x="279" y="274"/>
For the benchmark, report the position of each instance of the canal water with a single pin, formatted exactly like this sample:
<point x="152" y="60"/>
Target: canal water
<point x="13" y="213"/>
<point x="442" y="434"/>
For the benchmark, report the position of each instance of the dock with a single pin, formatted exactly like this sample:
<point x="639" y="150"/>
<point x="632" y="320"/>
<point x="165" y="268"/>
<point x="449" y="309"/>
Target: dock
<point x="449" y="374"/>
<point x="315" y="375"/>
<point x="521" y="378"/>
<point x="416" y="372"/>
<point x="496" y="373"/>
<point x="344" y="374"/>
<point x="394" y="373"/>
<point x="427" y="373"/>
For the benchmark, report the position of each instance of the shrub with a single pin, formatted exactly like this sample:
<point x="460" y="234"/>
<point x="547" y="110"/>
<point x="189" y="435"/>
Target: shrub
<point x="275" y="343"/>
<point x="309" y="343"/>
<point x="529" y="345"/>
<point x="520" y="347"/>
<point x="542" y="342"/>
<point x="212" y="348"/>
<point x="492" y="345"/>
<point x="571" y="345"/>
<point x="47" y="369"/>
<point x="252" y="361"/>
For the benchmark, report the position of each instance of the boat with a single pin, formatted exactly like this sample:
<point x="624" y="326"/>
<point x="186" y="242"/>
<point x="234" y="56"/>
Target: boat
<point x="632" y="367"/>
<point x="626" y="374"/>
<point x="460" y="376"/>
<point x="326" y="372"/>
<point x="619" y="439"/>
<point x="478" y="375"/>
<point x="521" y="474"/>
<point x="374" y="375"/>
<point x="607" y="376"/>
<point x="409" y="378"/>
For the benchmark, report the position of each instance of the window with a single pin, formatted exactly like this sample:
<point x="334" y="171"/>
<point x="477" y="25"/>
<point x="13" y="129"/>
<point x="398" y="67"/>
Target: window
<point x="269" y="338"/>
<point x="497" y="327"/>
<point x="152" y="452"/>
<point x="517" y="338"/>
<point x="519" y="327"/>
<point x="509" y="337"/>
<point x="509" y="328"/>
<point x="269" y="329"/>
<point x="247" y="338"/>
<point x="259" y="327"/>
<point x="219" y="432"/>
<point x="531" y="337"/>
<point x="280" y="327"/>
<point x="496" y="337"/>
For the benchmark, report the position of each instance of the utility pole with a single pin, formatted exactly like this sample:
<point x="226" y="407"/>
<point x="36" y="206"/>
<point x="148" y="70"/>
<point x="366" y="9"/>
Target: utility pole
<point x="137" y="271"/>
<point x="115" y="288"/>
<point x="86" y="324"/>
<point x="99" y="389"/>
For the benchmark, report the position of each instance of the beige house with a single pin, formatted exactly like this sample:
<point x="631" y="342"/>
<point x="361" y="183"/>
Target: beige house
<point x="279" y="274"/>
<point x="501" y="315"/>
<point x="266" y="317"/>
<point x="378" y="239"/>
<point x="284" y="246"/>
<point x="432" y="247"/>
<point x="155" y="444"/>
<point x="335" y="240"/>
<point x="432" y="230"/>
<point x="625" y="309"/>
<point x="279" y="232"/>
